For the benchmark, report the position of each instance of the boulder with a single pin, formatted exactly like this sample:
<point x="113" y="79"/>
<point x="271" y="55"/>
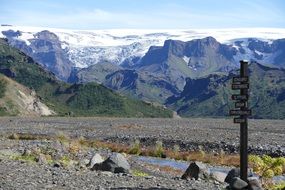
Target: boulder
<point x="196" y="170"/>
<point x="232" y="174"/>
<point x="96" y="159"/>
<point x="219" y="176"/>
<point x="116" y="163"/>
<point x="254" y="183"/>
<point x="238" y="184"/>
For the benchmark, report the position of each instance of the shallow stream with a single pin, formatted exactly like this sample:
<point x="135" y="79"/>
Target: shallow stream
<point x="183" y="165"/>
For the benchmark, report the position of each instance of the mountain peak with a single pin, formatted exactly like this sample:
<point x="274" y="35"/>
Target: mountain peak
<point x="209" y="40"/>
<point x="255" y="66"/>
<point x="45" y="34"/>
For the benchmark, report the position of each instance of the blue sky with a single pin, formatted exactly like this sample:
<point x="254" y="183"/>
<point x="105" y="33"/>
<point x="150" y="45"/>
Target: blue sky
<point x="143" y="14"/>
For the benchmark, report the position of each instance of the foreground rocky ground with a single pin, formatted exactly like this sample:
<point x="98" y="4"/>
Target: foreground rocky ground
<point x="67" y="170"/>
<point x="59" y="164"/>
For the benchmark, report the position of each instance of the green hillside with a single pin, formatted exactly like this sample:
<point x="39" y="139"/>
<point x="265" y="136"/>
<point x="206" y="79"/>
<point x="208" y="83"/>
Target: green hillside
<point x="211" y="96"/>
<point x="2" y="88"/>
<point x="88" y="99"/>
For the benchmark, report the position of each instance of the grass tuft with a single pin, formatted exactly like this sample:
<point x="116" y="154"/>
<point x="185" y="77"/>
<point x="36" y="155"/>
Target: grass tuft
<point x="139" y="173"/>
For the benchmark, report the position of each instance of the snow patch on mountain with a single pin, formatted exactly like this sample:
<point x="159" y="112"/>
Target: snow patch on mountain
<point x="186" y="59"/>
<point x="88" y="47"/>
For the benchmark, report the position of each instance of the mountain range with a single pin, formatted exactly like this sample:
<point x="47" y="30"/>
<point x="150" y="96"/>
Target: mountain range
<point x="164" y="67"/>
<point x="62" y="50"/>
<point x="27" y="86"/>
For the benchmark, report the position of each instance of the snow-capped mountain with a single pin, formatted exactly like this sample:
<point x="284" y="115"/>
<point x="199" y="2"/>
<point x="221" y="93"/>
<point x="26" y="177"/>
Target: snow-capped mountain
<point x="147" y="64"/>
<point x="85" y="48"/>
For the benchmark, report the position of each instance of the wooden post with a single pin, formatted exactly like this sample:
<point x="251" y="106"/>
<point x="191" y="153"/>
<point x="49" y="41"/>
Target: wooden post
<point x="244" y="127"/>
<point x="242" y="83"/>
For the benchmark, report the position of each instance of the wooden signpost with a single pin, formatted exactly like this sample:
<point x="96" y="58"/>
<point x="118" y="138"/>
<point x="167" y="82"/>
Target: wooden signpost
<point x="242" y="83"/>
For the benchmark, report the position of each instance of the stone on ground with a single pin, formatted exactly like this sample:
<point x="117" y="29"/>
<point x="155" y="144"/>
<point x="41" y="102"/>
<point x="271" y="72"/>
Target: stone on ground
<point x="219" y="176"/>
<point x="116" y="163"/>
<point x="41" y="159"/>
<point x="232" y="174"/>
<point x="254" y="183"/>
<point x="96" y="159"/>
<point x="196" y="170"/>
<point x="238" y="184"/>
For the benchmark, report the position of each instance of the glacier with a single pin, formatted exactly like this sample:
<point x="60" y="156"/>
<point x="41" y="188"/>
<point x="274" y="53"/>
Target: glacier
<point x="88" y="47"/>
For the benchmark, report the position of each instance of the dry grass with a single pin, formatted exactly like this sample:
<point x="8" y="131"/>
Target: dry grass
<point x="165" y="169"/>
<point x="77" y="144"/>
<point x="26" y="136"/>
<point x="168" y="169"/>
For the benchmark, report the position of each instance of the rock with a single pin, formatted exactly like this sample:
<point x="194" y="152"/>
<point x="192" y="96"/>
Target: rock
<point x="41" y="159"/>
<point x="96" y="159"/>
<point x="83" y="163"/>
<point x="36" y="150"/>
<point x="116" y="163"/>
<point x="106" y="173"/>
<point x="232" y="174"/>
<point x="238" y="184"/>
<point x="196" y="170"/>
<point x="254" y="183"/>
<point x="219" y="176"/>
<point x="27" y="152"/>
<point x="56" y="165"/>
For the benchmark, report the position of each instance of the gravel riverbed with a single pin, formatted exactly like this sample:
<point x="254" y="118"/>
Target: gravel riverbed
<point x="265" y="136"/>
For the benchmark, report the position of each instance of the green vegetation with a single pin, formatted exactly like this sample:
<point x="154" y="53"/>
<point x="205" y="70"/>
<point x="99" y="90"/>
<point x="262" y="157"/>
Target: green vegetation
<point x="268" y="167"/>
<point x="159" y="150"/>
<point x="139" y="173"/>
<point x="27" y="158"/>
<point x="65" y="161"/>
<point x="2" y="93"/>
<point x="136" y="148"/>
<point x="278" y="186"/>
<point x="71" y="100"/>
<point x="2" y="88"/>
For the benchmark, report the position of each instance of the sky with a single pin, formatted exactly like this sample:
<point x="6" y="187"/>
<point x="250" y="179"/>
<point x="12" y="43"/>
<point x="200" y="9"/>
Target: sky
<point x="143" y="14"/>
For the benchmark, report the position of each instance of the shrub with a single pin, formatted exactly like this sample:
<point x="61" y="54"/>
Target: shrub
<point x="267" y="167"/>
<point x="74" y="147"/>
<point x="65" y="161"/>
<point x="278" y="186"/>
<point x="136" y="148"/>
<point x="159" y="150"/>
<point x="14" y="136"/>
<point x="62" y="137"/>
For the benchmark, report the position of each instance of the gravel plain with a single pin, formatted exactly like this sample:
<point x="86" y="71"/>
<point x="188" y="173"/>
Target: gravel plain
<point x="265" y="136"/>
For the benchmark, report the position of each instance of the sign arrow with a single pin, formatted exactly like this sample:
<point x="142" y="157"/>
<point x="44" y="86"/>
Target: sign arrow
<point x="240" y="104"/>
<point x="239" y="120"/>
<point x="240" y="86"/>
<point x="239" y="97"/>
<point x="240" y="112"/>
<point x="240" y="79"/>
